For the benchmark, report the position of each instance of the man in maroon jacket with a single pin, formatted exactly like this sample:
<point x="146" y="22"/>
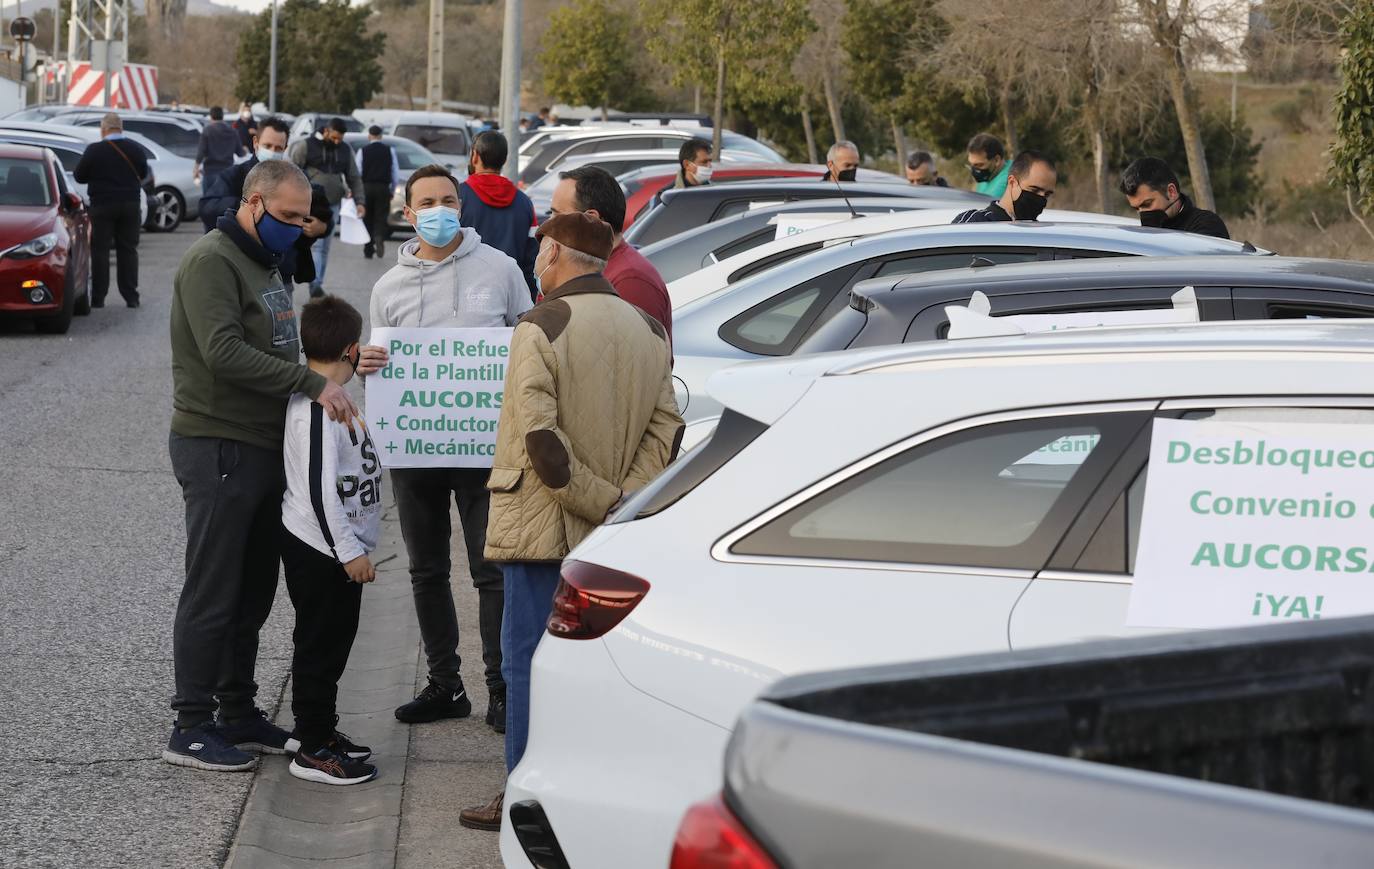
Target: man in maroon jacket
<point x="591" y="189"/>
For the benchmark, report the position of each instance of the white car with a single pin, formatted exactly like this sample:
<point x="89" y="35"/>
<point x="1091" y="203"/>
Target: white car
<point x="865" y="508"/>
<point x="777" y="301"/>
<point x="833" y="229"/>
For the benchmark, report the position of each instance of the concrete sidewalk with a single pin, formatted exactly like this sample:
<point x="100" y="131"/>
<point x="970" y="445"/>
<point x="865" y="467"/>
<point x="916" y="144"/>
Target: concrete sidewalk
<point x="407" y="818"/>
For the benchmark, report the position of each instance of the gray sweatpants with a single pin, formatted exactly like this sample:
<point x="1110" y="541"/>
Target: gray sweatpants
<point x="233" y="493"/>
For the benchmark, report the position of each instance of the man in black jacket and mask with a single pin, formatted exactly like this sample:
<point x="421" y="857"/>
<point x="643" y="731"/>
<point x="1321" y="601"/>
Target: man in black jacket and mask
<point x="1030" y="184"/>
<point x="841" y="162"/>
<point x="225" y="193"/>
<point x="1152" y="189"/>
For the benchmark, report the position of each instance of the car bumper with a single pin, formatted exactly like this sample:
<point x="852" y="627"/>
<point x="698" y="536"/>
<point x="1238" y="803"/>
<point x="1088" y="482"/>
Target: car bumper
<point x="49" y="270"/>
<point x="615" y="774"/>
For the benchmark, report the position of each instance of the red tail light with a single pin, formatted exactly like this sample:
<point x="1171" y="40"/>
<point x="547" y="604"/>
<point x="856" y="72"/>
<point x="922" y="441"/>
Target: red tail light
<point x="711" y="837"/>
<point x="591" y="599"/>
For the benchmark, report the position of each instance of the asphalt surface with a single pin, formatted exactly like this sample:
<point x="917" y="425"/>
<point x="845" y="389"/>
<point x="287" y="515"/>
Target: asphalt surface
<point x="91" y="549"/>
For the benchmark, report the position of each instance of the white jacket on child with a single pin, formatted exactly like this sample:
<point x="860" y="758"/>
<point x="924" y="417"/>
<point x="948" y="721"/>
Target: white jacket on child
<point x="333" y="498"/>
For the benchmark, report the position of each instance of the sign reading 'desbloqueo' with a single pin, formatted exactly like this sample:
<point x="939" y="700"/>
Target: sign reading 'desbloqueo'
<point x="1247" y="522"/>
<point x="436" y="403"/>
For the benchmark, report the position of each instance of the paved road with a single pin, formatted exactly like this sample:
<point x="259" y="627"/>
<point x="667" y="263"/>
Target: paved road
<point x="91" y="544"/>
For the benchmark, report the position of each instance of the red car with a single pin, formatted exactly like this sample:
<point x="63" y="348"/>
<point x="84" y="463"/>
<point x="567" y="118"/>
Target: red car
<point x="45" y="240"/>
<point x="643" y="189"/>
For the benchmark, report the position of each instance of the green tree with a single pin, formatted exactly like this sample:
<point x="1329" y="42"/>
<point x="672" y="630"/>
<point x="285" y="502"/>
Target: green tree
<point x="1352" y="156"/>
<point x="883" y="40"/>
<point x="743" y="49"/>
<point x="328" y="60"/>
<point x="578" y="68"/>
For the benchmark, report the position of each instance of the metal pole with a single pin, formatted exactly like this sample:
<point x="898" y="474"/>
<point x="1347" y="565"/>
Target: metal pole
<point x="272" y="72"/>
<point x="510" y="85"/>
<point x="109" y="37"/>
<point x="434" y="79"/>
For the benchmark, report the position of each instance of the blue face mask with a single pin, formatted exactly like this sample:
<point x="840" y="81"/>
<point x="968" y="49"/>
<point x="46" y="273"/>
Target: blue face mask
<point x="437" y="225"/>
<point x="275" y="235"/>
<point x="266" y="154"/>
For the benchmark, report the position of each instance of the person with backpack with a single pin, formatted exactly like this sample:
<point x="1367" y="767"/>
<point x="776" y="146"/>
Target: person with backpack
<point x="328" y="161"/>
<point x="114" y="171"/>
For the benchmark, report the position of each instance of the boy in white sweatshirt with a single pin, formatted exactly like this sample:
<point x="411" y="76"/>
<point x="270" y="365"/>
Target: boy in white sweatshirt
<point x="331" y="515"/>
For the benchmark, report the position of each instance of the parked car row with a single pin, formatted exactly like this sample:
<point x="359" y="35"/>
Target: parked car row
<point x="861" y="490"/>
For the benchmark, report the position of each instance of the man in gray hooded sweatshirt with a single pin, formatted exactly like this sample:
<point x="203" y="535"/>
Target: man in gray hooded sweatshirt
<point x="448" y="278"/>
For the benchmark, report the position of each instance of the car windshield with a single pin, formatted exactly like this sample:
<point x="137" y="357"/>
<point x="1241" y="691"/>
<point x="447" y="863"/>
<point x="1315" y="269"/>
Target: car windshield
<point x="440" y="140"/>
<point x="24" y="182"/>
<point x="410" y="156"/>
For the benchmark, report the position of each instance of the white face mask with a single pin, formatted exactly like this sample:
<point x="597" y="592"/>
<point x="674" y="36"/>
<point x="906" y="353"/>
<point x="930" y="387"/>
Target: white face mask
<point x="265" y="154"/>
<point x="704" y="173"/>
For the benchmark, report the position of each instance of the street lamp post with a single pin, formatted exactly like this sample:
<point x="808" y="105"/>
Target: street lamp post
<point x="272" y="73"/>
<point x="510" y="85"/>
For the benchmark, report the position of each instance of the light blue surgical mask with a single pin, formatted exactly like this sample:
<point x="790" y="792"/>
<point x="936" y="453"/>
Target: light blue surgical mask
<point x="437" y="225"/>
<point x="265" y="154"/>
<point x="538" y="277"/>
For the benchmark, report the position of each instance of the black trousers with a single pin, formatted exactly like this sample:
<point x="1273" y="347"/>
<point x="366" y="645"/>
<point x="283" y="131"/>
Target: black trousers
<point x="377" y="201"/>
<point x="233" y="493"/>
<point x="117" y="223"/>
<point x="327" y="604"/>
<point x="422" y="502"/>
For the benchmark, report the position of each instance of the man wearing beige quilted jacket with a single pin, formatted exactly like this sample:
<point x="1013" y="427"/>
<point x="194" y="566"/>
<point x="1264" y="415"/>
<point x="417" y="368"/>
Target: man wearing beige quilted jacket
<point x="588" y="415"/>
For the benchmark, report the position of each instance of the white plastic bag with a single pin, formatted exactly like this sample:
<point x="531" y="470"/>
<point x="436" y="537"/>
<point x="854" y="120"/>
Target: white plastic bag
<point x="352" y="230"/>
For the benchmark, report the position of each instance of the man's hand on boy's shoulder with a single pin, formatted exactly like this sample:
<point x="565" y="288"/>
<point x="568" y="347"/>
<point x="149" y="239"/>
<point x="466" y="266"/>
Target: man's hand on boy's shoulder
<point x="360" y="569"/>
<point x="337" y="404"/>
<point x="372" y="359"/>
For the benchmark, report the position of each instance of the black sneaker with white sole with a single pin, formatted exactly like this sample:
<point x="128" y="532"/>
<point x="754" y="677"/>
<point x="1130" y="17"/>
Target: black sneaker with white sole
<point x="204" y="747"/>
<point x="341" y="745"/>
<point x="328" y="768"/>
<point x="436" y="702"/>
<point x="257" y="733"/>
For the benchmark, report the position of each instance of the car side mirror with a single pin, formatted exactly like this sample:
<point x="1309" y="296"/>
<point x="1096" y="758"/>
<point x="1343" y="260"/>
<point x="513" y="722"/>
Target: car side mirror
<point x="74" y="202"/>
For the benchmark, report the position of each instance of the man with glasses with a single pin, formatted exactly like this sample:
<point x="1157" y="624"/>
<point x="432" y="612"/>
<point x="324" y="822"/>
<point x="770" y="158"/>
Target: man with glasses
<point x="1030" y="185"/>
<point x="694" y="164"/>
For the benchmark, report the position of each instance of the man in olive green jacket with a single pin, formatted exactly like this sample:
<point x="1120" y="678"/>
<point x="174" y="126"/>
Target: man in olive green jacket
<point x="235" y="362"/>
<point x="588" y="415"/>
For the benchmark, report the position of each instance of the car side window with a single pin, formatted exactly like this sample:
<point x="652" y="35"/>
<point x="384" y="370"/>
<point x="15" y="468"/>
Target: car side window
<point x="739" y="206"/>
<point x="1112" y="548"/>
<point x="955" y="259"/>
<point x="1255" y="303"/>
<point x="999" y="495"/>
<point x="776" y="325"/>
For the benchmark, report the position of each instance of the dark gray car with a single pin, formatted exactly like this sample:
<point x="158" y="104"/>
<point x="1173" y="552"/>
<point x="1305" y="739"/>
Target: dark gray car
<point x="706" y="245"/>
<point x="912" y="308"/>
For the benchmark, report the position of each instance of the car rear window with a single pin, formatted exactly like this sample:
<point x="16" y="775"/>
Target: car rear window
<point x="734" y="432"/>
<point x="440" y="140"/>
<point x="24" y="183"/>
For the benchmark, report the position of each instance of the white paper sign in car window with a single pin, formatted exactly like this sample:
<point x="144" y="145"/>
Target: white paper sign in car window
<point x="796" y="225"/>
<point x="1252" y="522"/>
<point x="976" y="320"/>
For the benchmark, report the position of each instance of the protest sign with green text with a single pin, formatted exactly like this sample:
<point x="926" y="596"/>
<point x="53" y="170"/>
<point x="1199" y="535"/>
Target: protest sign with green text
<point x="1249" y="522"/>
<point x="437" y="402"/>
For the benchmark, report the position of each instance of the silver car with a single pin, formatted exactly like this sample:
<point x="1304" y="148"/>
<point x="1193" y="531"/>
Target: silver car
<point x="175" y="193"/>
<point x="772" y="312"/>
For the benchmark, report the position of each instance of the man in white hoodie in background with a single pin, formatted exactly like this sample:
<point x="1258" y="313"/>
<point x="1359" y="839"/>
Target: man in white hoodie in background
<point x="448" y="278"/>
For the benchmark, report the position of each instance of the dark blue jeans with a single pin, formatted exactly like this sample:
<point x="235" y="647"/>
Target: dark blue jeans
<point x="529" y="601"/>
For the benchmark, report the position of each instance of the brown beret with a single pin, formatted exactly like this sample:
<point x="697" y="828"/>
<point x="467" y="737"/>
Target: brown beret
<point x="581" y="232"/>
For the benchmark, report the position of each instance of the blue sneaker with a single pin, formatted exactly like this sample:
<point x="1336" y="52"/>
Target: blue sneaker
<point x="204" y="747"/>
<point x="256" y="733"/>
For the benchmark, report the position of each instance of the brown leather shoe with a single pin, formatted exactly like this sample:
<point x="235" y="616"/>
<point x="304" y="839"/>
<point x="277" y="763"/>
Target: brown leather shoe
<point x="486" y="817"/>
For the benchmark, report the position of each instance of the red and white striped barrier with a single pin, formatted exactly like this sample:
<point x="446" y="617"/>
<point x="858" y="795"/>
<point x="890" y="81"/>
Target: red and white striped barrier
<point x="134" y="87"/>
